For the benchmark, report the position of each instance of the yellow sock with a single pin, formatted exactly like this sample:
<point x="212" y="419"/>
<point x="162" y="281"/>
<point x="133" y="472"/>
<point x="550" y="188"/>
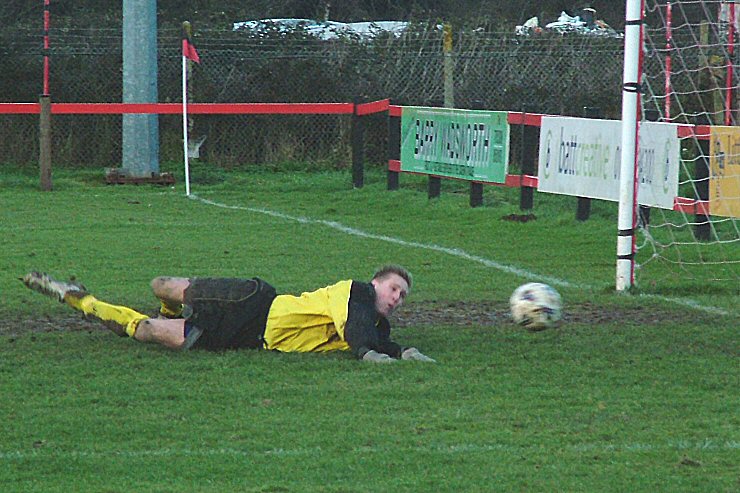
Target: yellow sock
<point x="121" y="315"/>
<point x="170" y="311"/>
<point x="133" y="325"/>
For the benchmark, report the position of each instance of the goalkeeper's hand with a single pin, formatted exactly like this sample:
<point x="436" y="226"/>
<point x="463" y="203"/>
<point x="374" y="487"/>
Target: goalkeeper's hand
<point x="377" y="357"/>
<point x="414" y="354"/>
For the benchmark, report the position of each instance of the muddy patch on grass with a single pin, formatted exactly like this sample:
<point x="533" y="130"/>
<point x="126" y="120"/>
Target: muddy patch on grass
<point x="462" y="313"/>
<point x="421" y="314"/>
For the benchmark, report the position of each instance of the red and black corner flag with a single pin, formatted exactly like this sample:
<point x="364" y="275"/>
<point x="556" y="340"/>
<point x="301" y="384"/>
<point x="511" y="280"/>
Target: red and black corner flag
<point x="188" y="48"/>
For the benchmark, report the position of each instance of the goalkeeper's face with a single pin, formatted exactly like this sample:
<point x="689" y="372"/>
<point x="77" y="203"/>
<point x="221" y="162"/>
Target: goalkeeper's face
<point x="390" y="292"/>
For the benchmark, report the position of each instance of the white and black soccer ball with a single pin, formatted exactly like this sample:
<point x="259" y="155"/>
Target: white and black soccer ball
<point x="536" y="306"/>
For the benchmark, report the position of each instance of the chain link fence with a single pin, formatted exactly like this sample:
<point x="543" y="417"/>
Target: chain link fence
<point x="547" y="73"/>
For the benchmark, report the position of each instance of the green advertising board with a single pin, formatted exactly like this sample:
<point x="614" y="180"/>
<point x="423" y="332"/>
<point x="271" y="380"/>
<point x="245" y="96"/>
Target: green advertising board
<point x="465" y="144"/>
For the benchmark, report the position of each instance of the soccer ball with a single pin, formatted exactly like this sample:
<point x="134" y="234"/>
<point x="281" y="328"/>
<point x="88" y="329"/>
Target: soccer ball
<point x="536" y="306"/>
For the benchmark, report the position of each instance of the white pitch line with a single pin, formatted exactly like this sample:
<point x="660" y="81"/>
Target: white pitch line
<point x="683" y="445"/>
<point x="455" y="252"/>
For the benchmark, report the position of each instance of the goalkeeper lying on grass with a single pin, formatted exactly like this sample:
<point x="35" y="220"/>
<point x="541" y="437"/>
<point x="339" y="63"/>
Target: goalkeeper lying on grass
<point x="219" y="313"/>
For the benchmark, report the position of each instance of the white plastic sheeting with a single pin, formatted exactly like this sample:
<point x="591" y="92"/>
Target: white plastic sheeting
<point x="325" y="30"/>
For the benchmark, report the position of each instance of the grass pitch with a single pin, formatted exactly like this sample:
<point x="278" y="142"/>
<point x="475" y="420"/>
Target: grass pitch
<point x="631" y="393"/>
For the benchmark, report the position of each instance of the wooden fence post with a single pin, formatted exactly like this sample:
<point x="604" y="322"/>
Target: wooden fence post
<point x="530" y="140"/>
<point x="583" y="209"/>
<point x="701" y="178"/>
<point x="435" y="187"/>
<point x="45" y="143"/>
<point x="476" y="188"/>
<point x="358" y="147"/>
<point x="643" y="211"/>
<point x="476" y="194"/>
<point x="394" y="148"/>
<point x="435" y="182"/>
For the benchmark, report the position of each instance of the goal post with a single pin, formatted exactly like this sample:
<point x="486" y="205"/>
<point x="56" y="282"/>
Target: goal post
<point x="688" y="77"/>
<point x="629" y="152"/>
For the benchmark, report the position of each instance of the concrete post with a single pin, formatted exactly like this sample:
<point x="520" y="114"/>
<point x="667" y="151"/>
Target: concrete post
<point x="140" y="132"/>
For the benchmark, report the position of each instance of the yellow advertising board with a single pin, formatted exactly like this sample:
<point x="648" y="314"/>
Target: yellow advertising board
<point x="724" y="172"/>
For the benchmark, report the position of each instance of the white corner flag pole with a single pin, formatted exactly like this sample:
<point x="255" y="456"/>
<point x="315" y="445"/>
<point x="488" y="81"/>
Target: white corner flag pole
<point x="629" y="155"/>
<point x="185" y="122"/>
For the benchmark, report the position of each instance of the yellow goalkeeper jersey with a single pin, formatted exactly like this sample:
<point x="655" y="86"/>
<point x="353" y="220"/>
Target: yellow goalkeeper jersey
<point x="311" y="322"/>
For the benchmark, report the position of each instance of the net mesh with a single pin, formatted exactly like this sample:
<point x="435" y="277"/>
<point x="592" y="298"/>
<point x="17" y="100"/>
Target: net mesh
<point x="690" y="77"/>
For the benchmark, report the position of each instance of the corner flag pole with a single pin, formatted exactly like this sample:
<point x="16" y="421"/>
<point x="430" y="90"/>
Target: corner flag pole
<point x="188" y="53"/>
<point x="185" y="122"/>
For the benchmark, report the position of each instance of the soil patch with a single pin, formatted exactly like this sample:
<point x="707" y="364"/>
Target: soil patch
<point x="415" y="314"/>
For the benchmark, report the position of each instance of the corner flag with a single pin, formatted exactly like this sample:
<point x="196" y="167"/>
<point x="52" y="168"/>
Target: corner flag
<point x="188" y="48"/>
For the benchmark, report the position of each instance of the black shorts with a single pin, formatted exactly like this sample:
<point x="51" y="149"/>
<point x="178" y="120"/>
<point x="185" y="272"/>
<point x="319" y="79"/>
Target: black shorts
<point x="232" y="313"/>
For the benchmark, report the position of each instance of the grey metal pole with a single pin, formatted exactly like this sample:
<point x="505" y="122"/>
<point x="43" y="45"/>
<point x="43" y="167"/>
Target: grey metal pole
<point x="140" y="132"/>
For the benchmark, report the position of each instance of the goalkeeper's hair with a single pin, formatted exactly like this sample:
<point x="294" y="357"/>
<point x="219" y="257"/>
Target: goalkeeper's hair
<point x="387" y="270"/>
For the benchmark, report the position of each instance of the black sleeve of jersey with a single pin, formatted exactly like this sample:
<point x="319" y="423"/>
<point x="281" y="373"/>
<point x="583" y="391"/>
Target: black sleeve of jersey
<point x="367" y="330"/>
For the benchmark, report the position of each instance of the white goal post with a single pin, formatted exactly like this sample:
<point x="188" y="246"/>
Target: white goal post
<point x="680" y="63"/>
<point x="628" y="166"/>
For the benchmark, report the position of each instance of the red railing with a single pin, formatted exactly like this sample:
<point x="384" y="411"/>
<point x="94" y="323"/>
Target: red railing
<point x="683" y="204"/>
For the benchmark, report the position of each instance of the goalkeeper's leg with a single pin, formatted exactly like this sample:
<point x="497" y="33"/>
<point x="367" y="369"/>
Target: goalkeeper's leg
<point x="125" y="321"/>
<point x="168" y="332"/>
<point x="171" y="292"/>
<point x="122" y="320"/>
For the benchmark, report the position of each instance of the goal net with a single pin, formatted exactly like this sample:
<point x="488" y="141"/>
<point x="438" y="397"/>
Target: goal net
<point x="690" y="77"/>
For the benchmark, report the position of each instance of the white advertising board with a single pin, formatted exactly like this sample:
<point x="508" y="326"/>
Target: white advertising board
<point x="581" y="157"/>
